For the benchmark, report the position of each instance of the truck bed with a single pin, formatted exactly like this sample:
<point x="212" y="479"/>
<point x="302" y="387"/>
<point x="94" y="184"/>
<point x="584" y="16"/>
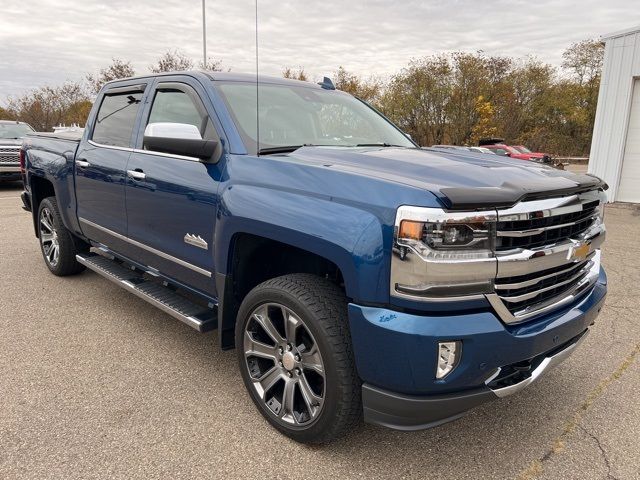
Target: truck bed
<point x="69" y="136"/>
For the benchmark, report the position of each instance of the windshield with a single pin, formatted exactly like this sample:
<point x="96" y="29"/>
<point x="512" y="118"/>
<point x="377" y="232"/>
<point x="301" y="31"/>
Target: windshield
<point x="292" y="115"/>
<point x="522" y="149"/>
<point x="14" y="130"/>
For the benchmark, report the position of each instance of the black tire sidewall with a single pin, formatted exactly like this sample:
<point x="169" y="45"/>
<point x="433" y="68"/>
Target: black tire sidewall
<point x="67" y="263"/>
<point x="316" y="431"/>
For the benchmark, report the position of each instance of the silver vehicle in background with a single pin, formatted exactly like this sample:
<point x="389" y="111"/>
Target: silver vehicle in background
<point x="481" y="150"/>
<point x="466" y="149"/>
<point x="11" y="134"/>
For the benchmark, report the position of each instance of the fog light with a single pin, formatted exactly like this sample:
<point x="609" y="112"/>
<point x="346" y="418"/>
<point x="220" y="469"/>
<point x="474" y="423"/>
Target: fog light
<point x="448" y="356"/>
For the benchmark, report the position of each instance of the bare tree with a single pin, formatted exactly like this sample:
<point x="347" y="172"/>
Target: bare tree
<point x="46" y="107"/>
<point x="118" y="69"/>
<point x="366" y="89"/>
<point x="295" y="74"/>
<point x="213" y="65"/>
<point x="172" y="61"/>
<point x="7" y="114"/>
<point x="583" y="60"/>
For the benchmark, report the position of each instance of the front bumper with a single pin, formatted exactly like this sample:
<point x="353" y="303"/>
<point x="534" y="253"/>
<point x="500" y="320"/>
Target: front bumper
<point x="396" y="358"/>
<point x="10" y="173"/>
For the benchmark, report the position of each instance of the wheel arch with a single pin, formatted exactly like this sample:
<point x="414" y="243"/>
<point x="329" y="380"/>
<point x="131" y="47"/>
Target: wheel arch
<point x="41" y="188"/>
<point x="245" y="268"/>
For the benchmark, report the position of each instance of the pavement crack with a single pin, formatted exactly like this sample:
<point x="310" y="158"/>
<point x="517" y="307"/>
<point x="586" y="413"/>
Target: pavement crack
<point x="603" y="453"/>
<point x="536" y="467"/>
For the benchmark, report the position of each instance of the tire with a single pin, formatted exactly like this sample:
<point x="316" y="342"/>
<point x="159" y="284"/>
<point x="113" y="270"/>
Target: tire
<point x="59" y="247"/>
<point x="315" y="396"/>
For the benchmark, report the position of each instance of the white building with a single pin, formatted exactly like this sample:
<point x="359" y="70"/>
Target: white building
<point x="615" y="150"/>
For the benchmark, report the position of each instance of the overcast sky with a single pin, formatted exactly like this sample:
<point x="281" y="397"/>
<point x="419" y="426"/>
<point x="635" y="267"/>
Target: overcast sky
<point x="47" y="42"/>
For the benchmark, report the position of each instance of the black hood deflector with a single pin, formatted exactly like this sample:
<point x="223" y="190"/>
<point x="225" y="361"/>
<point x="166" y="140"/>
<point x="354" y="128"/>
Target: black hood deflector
<point x="507" y="195"/>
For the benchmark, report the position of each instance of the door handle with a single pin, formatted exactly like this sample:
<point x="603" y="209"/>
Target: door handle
<point x="136" y="174"/>
<point x="82" y="163"/>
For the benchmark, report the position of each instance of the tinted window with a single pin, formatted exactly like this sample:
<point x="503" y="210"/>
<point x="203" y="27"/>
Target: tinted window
<point x="116" y="118"/>
<point x="176" y="107"/>
<point x="501" y="151"/>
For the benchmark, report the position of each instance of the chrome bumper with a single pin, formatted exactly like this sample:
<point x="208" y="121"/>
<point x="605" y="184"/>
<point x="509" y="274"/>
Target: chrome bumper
<point x="547" y="364"/>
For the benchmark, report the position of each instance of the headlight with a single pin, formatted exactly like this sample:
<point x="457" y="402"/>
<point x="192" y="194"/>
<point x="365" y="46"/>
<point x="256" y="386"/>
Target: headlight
<point x="434" y="233"/>
<point x="443" y="254"/>
<point x="446" y="235"/>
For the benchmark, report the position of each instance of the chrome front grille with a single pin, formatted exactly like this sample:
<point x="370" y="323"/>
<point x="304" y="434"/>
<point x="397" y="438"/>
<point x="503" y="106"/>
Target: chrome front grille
<point x="548" y="254"/>
<point x="9" y="155"/>
<point x="525" y="291"/>
<point x="541" y="231"/>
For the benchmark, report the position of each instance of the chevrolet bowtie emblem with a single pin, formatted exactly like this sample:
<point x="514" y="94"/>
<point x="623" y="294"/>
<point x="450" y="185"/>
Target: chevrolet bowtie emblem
<point x="196" y="241"/>
<point x="579" y="252"/>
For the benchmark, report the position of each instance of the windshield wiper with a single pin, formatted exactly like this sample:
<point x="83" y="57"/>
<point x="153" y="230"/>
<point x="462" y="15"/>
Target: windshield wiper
<point x="384" y="144"/>
<point x="291" y="148"/>
<point x="281" y="149"/>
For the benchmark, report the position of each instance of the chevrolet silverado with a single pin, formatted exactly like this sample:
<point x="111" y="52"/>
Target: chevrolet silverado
<point x="356" y="274"/>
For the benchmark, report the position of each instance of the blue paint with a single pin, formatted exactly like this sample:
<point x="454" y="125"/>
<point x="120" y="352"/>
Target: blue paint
<point x="337" y="203"/>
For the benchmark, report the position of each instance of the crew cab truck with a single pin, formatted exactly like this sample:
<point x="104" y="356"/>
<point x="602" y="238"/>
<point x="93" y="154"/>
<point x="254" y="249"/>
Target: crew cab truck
<point x="356" y="274"/>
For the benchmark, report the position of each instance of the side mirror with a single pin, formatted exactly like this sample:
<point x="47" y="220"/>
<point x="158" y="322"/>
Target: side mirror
<point x="178" y="139"/>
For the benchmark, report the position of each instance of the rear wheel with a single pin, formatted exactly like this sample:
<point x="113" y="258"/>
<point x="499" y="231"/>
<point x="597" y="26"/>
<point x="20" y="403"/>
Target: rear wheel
<point x="295" y="356"/>
<point x="59" y="247"/>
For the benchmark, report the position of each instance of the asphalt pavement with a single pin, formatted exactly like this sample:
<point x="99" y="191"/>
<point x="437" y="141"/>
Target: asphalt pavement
<point x="96" y="383"/>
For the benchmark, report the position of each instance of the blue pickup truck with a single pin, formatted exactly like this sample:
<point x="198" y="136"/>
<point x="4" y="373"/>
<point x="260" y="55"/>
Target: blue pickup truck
<point x="356" y="274"/>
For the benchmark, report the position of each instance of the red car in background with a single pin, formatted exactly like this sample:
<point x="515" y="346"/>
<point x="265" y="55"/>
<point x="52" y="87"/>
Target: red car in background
<point x="497" y="146"/>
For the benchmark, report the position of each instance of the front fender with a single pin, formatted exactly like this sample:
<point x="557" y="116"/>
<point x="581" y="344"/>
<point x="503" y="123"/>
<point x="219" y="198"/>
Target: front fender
<point x="351" y="238"/>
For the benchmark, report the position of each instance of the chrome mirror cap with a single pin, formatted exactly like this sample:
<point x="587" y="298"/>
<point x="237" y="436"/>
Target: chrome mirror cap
<point x="183" y="131"/>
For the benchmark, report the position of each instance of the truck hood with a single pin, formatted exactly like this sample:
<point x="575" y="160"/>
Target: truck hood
<point x="459" y="180"/>
<point x="10" y="142"/>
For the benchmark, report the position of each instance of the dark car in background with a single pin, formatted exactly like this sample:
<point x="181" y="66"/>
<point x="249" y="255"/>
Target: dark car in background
<point x="11" y="134"/>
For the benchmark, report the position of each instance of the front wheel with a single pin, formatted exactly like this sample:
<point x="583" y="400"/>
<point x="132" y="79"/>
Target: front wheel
<point x="295" y="357"/>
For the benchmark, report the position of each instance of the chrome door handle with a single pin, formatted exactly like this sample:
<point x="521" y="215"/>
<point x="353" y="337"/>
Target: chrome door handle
<point x="82" y="163"/>
<point x="136" y="174"/>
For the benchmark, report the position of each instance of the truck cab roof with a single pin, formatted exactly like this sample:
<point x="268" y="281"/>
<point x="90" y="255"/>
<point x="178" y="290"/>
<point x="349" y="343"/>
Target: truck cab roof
<point x="222" y="77"/>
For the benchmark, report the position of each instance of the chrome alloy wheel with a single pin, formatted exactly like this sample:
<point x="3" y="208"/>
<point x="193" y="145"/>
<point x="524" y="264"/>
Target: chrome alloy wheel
<point x="49" y="238"/>
<point x="284" y="364"/>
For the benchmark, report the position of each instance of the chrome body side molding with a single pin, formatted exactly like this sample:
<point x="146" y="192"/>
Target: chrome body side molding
<point x="160" y="253"/>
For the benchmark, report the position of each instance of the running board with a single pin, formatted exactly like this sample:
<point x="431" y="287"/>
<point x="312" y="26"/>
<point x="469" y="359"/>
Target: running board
<point x="198" y="317"/>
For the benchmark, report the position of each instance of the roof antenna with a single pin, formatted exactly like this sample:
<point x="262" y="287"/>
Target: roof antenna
<point x="326" y="83"/>
<point x="257" y="90"/>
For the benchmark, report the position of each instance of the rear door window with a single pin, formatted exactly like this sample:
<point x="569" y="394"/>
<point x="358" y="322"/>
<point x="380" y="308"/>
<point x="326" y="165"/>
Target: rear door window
<point x="116" y="119"/>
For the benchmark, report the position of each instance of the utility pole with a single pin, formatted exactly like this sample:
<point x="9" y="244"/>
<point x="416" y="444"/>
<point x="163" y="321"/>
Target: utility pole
<point x="204" y="35"/>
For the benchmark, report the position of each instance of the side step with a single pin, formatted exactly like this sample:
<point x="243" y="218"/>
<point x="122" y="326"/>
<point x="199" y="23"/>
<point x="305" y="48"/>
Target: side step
<point x="196" y="316"/>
